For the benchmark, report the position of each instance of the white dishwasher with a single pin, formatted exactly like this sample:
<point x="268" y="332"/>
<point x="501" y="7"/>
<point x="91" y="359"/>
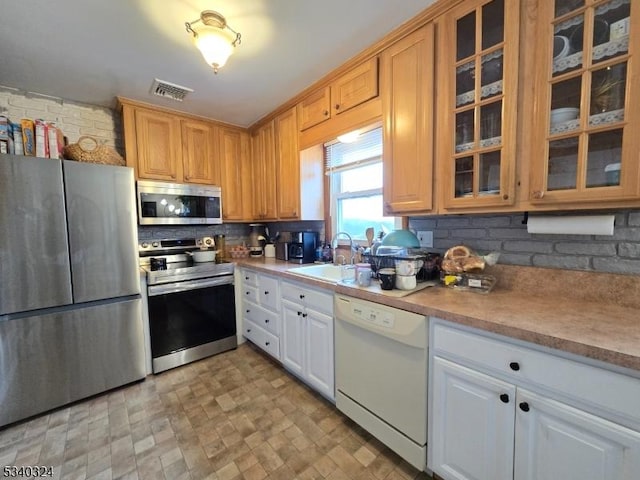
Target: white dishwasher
<point x="381" y="373"/>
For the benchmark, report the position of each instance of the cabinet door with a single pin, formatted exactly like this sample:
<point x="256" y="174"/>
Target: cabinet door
<point x="158" y="145"/>
<point x="554" y="441"/>
<point x="315" y="108"/>
<point x="472" y="424"/>
<point x="586" y="135"/>
<point x="355" y="87"/>
<point x="264" y="173"/>
<point x="407" y="105"/>
<point x="477" y="104"/>
<point x="235" y="174"/>
<point x="199" y="158"/>
<point x="269" y="292"/>
<point x="293" y="337"/>
<point x="319" y="349"/>
<point x="288" y="165"/>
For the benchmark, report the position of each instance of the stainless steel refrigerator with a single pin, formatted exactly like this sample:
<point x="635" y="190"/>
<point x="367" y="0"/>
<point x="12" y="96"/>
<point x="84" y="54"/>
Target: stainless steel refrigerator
<point x="70" y="308"/>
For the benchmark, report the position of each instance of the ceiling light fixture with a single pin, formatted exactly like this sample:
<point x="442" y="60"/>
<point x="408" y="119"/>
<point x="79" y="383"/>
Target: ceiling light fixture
<point x="212" y="38"/>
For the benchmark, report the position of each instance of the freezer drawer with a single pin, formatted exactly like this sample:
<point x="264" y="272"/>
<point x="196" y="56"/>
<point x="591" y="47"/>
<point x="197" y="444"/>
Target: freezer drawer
<point x="49" y="360"/>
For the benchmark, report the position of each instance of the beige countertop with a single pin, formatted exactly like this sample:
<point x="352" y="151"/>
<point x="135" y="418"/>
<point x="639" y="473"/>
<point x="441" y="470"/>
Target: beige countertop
<point x="594" y="315"/>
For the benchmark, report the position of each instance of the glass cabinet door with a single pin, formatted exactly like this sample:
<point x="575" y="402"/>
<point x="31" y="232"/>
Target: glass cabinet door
<point x="479" y="104"/>
<point x="585" y="92"/>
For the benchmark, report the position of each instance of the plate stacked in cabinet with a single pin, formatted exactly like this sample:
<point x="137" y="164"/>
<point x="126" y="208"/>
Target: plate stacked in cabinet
<point x="261" y="311"/>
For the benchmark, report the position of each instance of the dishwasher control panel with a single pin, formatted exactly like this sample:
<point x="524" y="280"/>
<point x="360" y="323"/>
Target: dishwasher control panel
<point x="373" y="315"/>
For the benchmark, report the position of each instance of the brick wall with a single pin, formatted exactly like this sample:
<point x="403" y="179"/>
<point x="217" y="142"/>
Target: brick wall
<point x="75" y="119"/>
<point x="507" y="234"/>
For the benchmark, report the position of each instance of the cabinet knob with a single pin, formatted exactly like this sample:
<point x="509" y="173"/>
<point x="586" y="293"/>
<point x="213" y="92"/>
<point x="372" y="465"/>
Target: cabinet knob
<point x="337" y="107"/>
<point x="505" y="197"/>
<point x="248" y="330"/>
<point x="538" y="194"/>
<point x="325" y="113"/>
<point x="266" y="320"/>
<point x="299" y="313"/>
<point x="304" y="315"/>
<point x="301" y="296"/>
<point x="504" y="398"/>
<point x="266" y="292"/>
<point x="248" y="310"/>
<point x="247" y="293"/>
<point x="515" y="366"/>
<point x="267" y="343"/>
<point x="246" y="278"/>
<point x="524" y="406"/>
<point x="187" y="177"/>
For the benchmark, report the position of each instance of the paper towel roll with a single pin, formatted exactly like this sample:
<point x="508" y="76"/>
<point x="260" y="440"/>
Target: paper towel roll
<point x="572" y="225"/>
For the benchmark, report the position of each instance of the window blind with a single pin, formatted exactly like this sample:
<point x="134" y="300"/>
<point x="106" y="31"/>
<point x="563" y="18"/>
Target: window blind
<point x="365" y="150"/>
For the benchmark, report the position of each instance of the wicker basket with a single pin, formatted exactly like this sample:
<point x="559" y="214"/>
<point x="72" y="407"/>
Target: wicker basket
<point x="88" y="149"/>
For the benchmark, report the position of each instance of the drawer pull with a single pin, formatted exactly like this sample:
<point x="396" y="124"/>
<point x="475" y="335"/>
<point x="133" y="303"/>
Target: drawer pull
<point x="524" y="406"/>
<point x="504" y="398"/>
<point x="266" y="320"/>
<point x="248" y="310"/>
<point x="267" y="343"/>
<point x="304" y="315"/>
<point x="248" y="330"/>
<point x="515" y="366"/>
<point x="301" y="296"/>
<point x="299" y="313"/>
<point x="247" y="293"/>
<point x="246" y="278"/>
<point x="266" y="292"/>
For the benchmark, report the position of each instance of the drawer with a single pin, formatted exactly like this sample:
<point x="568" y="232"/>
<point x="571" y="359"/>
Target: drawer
<point x="249" y="277"/>
<point x="263" y="339"/>
<point x="266" y="319"/>
<point x="572" y="380"/>
<point x="318" y="300"/>
<point x="269" y="292"/>
<point x="250" y="293"/>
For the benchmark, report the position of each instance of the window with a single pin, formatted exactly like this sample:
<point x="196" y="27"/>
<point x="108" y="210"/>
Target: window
<point x="355" y="171"/>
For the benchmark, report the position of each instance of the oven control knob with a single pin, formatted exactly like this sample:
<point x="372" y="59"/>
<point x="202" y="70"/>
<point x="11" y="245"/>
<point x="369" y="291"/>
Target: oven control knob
<point x="155" y="244"/>
<point x="144" y="245"/>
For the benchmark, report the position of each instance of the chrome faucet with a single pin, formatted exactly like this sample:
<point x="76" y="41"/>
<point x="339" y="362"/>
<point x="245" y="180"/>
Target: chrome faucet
<point x="334" y="245"/>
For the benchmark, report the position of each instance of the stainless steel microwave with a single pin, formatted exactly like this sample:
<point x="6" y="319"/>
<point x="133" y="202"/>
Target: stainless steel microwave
<point x="161" y="203"/>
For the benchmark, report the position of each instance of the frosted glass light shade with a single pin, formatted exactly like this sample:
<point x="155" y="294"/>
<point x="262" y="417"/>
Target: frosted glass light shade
<point x="215" y="46"/>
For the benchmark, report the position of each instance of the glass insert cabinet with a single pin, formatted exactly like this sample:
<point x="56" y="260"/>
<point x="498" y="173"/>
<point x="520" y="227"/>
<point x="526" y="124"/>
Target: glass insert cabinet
<point x="477" y="104"/>
<point x="586" y="144"/>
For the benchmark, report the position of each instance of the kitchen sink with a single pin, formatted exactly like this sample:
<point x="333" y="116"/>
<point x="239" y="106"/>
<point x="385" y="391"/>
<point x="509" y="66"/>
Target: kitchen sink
<point x="326" y="272"/>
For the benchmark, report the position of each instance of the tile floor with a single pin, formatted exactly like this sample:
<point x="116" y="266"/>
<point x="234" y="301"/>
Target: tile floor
<point x="234" y="416"/>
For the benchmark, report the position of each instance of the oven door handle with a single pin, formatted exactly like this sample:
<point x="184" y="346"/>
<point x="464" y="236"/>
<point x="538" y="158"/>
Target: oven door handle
<point x="176" y="287"/>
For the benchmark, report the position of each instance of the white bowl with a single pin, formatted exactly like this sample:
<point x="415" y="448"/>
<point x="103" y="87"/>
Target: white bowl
<point x="405" y="282"/>
<point x="561" y="47"/>
<point x="203" y="255"/>
<point x="560" y="115"/>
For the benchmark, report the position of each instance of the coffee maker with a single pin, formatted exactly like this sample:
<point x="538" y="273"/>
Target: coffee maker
<point x="302" y="248"/>
<point x="257" y="239"/>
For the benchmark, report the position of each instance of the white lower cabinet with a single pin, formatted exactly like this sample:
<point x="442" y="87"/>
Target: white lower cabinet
<point x="260" y="310"/>
<point x="472" y="428"/>
<point x="503" y="411"/>
<point x="307" y="335"/>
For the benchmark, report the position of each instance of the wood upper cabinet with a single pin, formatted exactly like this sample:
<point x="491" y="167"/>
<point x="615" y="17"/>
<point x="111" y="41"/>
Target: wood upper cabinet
<point x="163" y="145"/>
<point x="235" y="174"/>
<point x="349" y="90"/>
<point x="263" y="166"/>
<point x="477" y="105"/>
<point x="157" y="145"/>
<point x="287" y="165"/>
<point x="585" y="140"/>
<point x="407" y="105"/>
<point x="199" y="153"/>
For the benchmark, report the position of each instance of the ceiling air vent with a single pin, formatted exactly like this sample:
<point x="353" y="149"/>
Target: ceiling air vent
<point x="165" y="89"/>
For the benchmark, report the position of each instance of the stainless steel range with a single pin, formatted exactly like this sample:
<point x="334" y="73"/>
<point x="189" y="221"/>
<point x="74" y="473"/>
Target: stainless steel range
<point x="191" y="304"/>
